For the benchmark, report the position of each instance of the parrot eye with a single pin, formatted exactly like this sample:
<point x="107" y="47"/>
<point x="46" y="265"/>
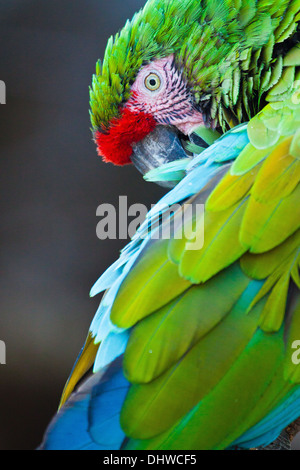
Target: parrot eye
<point x="152" y="82"/>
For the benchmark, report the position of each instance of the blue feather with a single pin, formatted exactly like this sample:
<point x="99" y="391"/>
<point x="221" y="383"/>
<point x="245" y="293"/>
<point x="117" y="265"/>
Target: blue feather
<point x="90" y="418"/>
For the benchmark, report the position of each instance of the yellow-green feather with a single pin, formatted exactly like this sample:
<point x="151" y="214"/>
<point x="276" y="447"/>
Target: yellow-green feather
<point x="217" y="327"/>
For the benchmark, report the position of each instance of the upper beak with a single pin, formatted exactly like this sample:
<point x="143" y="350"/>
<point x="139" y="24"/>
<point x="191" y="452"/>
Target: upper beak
<point x="159" y="147"/>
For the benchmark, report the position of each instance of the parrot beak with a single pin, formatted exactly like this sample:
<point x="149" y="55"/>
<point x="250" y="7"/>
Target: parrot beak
<point x="161" y="146"/>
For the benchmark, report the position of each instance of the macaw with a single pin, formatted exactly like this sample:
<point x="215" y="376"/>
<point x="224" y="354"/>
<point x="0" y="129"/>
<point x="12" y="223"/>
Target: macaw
<point x="197" y="348"/>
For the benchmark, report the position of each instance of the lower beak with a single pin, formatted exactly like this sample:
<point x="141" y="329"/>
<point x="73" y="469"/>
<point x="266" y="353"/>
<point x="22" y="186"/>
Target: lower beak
<point x="159" y="147"/>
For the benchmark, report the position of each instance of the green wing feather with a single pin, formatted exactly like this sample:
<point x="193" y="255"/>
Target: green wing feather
<point x="212" y="329"/>
<point x="210" y="350"/>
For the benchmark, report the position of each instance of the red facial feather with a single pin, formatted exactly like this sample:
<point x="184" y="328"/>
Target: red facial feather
<point x="115" y="146"/>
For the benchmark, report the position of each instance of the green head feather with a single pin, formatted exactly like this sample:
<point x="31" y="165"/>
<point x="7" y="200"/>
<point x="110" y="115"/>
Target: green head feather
<point x="149" y="35"/>
<point x="230" y="52"/>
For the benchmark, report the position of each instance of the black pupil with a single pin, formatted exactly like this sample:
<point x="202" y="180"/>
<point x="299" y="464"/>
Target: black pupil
<point x="152" y="82"/>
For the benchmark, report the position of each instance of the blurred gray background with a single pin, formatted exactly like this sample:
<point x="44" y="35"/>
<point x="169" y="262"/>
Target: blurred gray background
<point x="51" y="184"/>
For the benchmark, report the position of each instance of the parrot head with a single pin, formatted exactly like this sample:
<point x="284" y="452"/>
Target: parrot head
<point x="159" y="96"/>
<point x="172" y="68"/>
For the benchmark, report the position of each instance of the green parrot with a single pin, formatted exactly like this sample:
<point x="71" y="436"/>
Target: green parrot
<point x="195" y="344"/>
